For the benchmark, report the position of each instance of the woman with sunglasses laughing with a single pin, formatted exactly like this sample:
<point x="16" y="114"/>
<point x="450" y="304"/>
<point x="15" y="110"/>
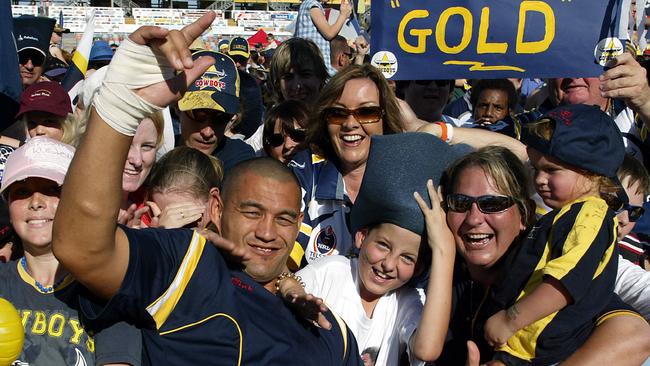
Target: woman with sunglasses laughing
<point x="490" y="215"/>
<point x="354" y="105"/>
<point x="284" y="131"/>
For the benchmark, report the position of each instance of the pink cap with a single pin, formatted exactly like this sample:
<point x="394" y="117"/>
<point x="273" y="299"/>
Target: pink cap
<point x="40" y="157"/>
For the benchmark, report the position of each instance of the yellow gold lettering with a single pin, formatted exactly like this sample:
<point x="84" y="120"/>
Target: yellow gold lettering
<point x="421" y="34"/>
<point x="77" y="329"/>
<point x="26" y="314"/>
<point x="483" y="46"/>
<point x="40" y="323"/>
<point x="441" y="29"/>
<point x="549" y="27"/>
<point x="55" y="327"/>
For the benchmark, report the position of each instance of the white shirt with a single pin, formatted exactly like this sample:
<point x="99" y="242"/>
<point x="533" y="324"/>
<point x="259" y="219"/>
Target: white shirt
<point x="395" y="318"/>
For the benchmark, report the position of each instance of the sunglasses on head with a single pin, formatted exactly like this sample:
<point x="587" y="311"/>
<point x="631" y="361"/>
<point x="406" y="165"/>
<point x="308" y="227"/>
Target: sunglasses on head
<point x="487" y="204"/>
<point x="36" y="58"/>
<point x="338" y="115"/>
<point x="634" y="213"/>
<point x="296" y="135"/>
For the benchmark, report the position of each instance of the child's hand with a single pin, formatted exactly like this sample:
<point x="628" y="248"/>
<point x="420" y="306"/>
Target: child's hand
<point x="440" y="238"/>
<point x="498" y="329"/>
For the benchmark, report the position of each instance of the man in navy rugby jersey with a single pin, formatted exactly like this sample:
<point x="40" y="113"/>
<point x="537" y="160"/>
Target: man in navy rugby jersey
<point x="193" y="304"/>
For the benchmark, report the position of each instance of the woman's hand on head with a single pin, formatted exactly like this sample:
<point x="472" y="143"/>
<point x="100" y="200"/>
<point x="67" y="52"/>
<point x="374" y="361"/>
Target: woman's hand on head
<point x="177" y="215"/>
<point x="439" y="236"/>
<point x="174" y="46"/>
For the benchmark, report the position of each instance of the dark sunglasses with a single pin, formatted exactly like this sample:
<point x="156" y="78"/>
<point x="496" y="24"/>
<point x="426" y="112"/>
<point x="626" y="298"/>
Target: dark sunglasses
<point x="487" y="204"/>
<point x="634" y="213"/>
<point x="36" y="58"/>
<point x="208" y="115"/>
<point x="338" y="115"/>
<point x="296" y="135"/>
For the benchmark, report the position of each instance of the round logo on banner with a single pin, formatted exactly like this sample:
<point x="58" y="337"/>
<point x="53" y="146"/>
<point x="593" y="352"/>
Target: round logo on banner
<point x="607" y="49"/>
<point x="386" y="62"/>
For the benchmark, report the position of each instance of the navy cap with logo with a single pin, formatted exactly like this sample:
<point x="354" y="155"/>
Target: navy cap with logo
<point x="33" y="33"/>
<point x="399" y="165"/>
<point x="239" y="47"/>
<point x="584" y="137"/>
<point x="217" y="88"/>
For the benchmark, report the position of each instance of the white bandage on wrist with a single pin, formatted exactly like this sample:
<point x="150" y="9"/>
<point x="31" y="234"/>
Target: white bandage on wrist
<point x="134" y="66"/>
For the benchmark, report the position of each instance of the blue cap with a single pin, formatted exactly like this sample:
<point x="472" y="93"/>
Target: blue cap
<point x="584" y="137"/>
<point x="397" y="166"/>
<point x="101" y="51"/>
<point x="217" y="88"/>
<point x="34" y="33"/>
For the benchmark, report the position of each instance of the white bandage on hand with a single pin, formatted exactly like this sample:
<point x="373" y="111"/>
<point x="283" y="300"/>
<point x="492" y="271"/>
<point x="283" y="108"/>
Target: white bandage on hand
<point x="133" y="66"/>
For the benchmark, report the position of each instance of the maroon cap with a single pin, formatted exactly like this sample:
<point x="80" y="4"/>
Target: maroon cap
<point x="46" y="96"/>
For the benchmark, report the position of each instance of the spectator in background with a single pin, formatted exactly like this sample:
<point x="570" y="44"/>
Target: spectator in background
<point x="181" y="187"/>
<point x="55" y="69"/>
<point x="284" y="131"/>
<point x="297" y="71"/>
<point x="46" y="111"/>
<point x="272" y="43"/>
<point x="100" y="56"/>
<point x="427" y="98"/>
<point x="223" y="46"/>
<point x="341" y="53"/>
<point x="55" y="42"/>
<point x="494" y="103"/>
<point x="250" y="94"/>
<point x="207" y="108"/>
<point x="312" y="25"/>
<point x="32" y="35"/>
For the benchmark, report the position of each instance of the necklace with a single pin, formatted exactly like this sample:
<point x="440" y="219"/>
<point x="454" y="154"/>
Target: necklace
<point x="44" y="289"/>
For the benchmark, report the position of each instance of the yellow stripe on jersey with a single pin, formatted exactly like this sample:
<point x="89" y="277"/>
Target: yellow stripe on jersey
<point x="344" y="333"/>
<point x="524" y="342"/>
<point x="295" y="258"/>
<point x="241" y="337"/>
<point x="305" y="229"/>
<point x="315" y="159"/>
<point x="591" y="217"/>
<point x="614" y="313"/>
<point x="165" y="304"/>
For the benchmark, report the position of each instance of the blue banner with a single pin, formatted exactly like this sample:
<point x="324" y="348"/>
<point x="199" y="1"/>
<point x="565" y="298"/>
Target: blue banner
<point x="477" y="39"/>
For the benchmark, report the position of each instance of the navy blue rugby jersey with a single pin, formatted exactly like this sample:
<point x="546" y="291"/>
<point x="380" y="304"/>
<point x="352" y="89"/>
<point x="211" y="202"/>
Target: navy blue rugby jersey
<point x="197" y="309"/>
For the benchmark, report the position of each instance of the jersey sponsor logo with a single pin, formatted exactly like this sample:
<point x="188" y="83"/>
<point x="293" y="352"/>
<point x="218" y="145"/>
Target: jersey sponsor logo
<point x="241" y="284"/>
<point x="325" y="242"/>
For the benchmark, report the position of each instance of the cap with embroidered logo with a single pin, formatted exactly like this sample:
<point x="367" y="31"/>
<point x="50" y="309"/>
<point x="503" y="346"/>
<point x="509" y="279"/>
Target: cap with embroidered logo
<point x="46" y="96"/>
<point x="33" y="33"/>
<point x="40" y="157"/>
<point x="584" y="136"/>
<point x="239" y="47"/>
<point x="217" y="88"/>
